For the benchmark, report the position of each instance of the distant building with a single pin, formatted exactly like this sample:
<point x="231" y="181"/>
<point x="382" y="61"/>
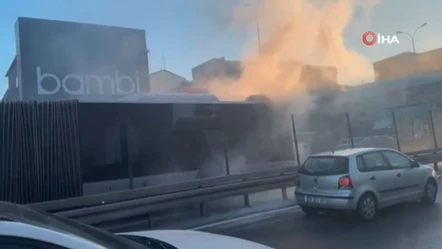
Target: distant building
<point x="12" y="92"/>
<point x="216" y="68"/>
<point x="411" y="78"/>
<point x="318" y="77"/>
<point x="408" y="63"/>
<point x="396" y="66"/>
<point x="393" y="93"/>
<point x="165" y="81"/>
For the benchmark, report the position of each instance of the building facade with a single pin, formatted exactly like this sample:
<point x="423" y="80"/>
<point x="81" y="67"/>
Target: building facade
<point x="396" y="66"/>
<point x="408" y="63"/>
<point x="411" y="78"/>
<point x="58" y="60"/>
<point x="216" y="68"/>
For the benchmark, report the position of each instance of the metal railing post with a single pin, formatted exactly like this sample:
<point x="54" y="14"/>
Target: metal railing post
<point x="433" y="130"/>
<point x="149" y="221"/>
<point x="226" y="159"/>
<point x="124" y="152"/>
<point x="246" y="198"/>
<point x="202" y="213"/>
<point x="393" y="118"/>
<point x="350" y="133"/>
<point x="298" y="159"/>
<point x="201" y="205"/>
<point x="284" y="194"/>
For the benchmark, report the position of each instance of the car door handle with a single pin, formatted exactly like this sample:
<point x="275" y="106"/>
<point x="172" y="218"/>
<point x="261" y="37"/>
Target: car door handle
<point x="372" y="178"/>
<point x="399" y="175"/>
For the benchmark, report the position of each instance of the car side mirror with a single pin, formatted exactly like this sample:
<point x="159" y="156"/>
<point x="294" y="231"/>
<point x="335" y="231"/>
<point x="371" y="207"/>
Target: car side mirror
<point x="414" y="164"/>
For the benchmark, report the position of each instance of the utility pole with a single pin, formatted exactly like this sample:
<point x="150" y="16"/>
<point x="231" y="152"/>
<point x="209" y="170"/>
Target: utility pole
<point x="164" y="61"/>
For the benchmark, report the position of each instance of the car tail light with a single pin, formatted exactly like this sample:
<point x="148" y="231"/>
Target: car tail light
<point x="297" y="180"/>
<point x="345" y="183"/>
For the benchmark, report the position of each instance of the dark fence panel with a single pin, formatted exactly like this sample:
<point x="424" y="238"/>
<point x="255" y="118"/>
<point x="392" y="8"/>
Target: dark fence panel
<point x="56" y="150"/>
<point x="39" y="151"/>
<point x="163" y="139"/>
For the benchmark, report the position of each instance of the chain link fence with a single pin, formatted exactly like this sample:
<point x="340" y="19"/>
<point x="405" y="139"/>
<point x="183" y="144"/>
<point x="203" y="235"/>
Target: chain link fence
<point x="407" y="129"/>
<point x="322" y="132"/>
<point x="415" y="128"/>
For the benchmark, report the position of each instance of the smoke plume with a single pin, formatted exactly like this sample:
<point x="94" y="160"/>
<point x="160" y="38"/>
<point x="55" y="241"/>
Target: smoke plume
<point x="294" y="33"/>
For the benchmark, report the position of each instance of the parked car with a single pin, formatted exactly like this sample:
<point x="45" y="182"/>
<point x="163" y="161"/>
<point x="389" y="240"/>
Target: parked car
<point x="346" y="143"/>
<point x="379" y="141"/>
<point x="188" y="239"/>
<point x="23" y="227"/>
<point x="362" y="180"/>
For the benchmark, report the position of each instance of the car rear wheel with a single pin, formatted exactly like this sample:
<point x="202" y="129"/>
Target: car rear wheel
<point x="367" y="207"/>
<point x="310" y="211"/>
<point x="430" y="192"/>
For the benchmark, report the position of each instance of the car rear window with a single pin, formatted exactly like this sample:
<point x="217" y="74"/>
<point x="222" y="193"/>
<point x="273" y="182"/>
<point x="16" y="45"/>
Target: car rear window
<point x="325" y="165"/>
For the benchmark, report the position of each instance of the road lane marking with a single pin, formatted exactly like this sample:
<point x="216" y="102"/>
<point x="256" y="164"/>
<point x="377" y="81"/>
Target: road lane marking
<point x="252" y="218"/>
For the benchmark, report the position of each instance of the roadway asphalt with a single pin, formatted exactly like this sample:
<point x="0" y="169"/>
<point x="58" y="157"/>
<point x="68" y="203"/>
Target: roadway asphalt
<point x="407" y="226"/>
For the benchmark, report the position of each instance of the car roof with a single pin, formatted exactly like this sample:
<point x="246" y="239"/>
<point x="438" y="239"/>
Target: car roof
<point x="348" y="152"/>
<point x="187" y="238"/>
<point x="29" y="216"/>
<point x="23" y="214"/>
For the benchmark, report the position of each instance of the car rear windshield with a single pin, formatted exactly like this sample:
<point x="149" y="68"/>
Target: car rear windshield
<point x="324" y="165"/>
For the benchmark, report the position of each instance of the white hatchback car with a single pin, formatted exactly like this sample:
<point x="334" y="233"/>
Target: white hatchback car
<point x="362" y="180"/>
<point x="23" y="227"/>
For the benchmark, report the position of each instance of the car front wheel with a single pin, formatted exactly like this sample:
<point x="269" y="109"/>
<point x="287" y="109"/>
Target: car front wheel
<point x="430" y="192"/>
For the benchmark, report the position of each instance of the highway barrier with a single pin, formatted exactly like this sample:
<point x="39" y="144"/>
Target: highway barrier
<point x="117" y="208"/>
<point x="426" y="156"/>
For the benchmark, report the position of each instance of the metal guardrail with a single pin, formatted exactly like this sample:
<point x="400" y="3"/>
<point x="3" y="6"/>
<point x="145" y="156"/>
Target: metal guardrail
<point x="118" y="207"/>
<point x="426" y="156"/>
<point x="119" y="211"/>
<point x="423" y="152"/>
<point x="128" y="195"/>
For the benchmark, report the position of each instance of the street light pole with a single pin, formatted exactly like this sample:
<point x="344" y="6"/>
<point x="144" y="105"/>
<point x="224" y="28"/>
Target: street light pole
<point x="412" y="35"/>
<point x="258" y="28"/>
<point x="258" y="33"/>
